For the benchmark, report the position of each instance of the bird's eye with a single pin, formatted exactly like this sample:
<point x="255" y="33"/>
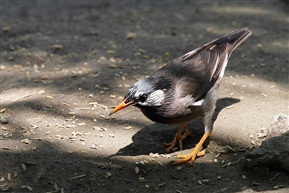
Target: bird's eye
<point x="142" y="98"/>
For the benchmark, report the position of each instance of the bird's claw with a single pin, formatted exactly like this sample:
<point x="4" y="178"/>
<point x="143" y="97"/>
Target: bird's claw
<point x="191" y="156"/>
<point x="177" y="140"/>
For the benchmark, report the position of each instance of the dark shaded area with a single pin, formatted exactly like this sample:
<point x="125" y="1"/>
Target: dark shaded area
<point x="150" y="138"/>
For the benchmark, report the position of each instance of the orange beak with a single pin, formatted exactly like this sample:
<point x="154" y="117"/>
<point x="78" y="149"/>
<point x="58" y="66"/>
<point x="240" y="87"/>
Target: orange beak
<point x="122" y="105"/>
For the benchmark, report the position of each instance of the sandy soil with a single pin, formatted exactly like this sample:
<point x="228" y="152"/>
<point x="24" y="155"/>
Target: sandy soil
<point x="65" y="64"/>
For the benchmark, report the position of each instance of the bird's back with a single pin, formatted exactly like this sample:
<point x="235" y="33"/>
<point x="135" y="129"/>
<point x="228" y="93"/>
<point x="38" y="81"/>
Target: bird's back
<point x="199" y="70"/>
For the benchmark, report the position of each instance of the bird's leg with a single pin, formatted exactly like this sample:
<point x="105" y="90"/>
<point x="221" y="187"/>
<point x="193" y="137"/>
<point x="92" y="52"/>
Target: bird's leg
<point x="196" y="152"/>
<point x="178" y="138"/>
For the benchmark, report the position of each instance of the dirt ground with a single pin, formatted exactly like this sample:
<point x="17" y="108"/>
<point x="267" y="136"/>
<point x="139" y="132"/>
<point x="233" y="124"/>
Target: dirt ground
<point x="65" y="64"/>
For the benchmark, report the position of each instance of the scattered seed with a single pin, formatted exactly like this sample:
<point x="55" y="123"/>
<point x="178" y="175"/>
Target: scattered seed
<point x="261" y="135"/>
<point x="279" y="186"/>
<point x="77" y="177"/>
<point x="108" y="174"/>
<point x="141" y="179"/>
<point x="219" y="177"/>
<point x="49" y="97"/>
<point x="29" y="188"/>
<point x="6" y="148"/>
<point x="23" y="166"/>
<point x="147" y="186"/>
<point x="111" y="135"/>
<point x="200" y="182"/>
<point x="131" y="35"/>
<point x="154" y="155"/>
<point x="142" y="162"/>
<point x="2" y="110"/>
<point x="161" y="184"/>
<point x="93" y="146"/>
<point x="226" y="164"/>
<point x="244" y="177"/>
<point x="26" y="141"/>
<point x="2" y="179"/>
<point x="113" y="65"/>
<point x="23" y="187"/>
<point x="264" y="95"/>
<point x="180" y="168"/>
<point x="56" y="47"/>
<point x="262" y="65"/>
<point x="127" y="127"/>
<point x="205" y="180"/>
<point x="136" y="169"/>
<point x="9" y="177"/>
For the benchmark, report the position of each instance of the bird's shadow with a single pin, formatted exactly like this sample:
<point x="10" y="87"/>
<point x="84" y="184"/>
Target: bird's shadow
<point x="150" y="139"/>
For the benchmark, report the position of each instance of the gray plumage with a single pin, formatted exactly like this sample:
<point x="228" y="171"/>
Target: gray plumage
<point x="186" y="88"/>
<point x="192" y="77"/>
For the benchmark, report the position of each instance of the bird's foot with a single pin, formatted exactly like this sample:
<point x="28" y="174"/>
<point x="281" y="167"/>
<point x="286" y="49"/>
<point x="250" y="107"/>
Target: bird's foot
<point x="177" y="140"/>
<point x="190" y="157"/>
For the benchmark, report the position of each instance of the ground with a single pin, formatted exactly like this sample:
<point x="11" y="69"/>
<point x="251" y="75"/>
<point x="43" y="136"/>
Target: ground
<point x="65" y="64"/>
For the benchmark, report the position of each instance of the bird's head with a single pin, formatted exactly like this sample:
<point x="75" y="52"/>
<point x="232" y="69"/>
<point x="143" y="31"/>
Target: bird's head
<point x="150" y="91"/>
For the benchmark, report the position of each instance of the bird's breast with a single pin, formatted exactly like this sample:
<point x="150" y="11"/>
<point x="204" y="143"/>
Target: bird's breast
<point x="167" y="116"/>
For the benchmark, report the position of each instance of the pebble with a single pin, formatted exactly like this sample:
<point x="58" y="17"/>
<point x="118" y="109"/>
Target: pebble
<point x="23" y="166"/>
<point x="93" y="146"/>
<point x="136" y="169"/>
<point x="131" y="35"/>
<point x="3" y="119"/>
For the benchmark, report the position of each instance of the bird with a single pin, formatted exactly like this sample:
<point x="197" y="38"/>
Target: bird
<point x="184" y="89"/>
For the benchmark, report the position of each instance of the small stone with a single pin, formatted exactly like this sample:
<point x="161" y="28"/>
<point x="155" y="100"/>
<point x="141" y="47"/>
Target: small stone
<point x="29" y="188"/>
<point x="131" y="36"/>
<point x="93" y="146"/>
<point x="23" y="166"/>
<point x="9" y="177"/>
<point x="136" y="169"/>
<point x="57" y="47"/>
<point x="141" y="179"/>
<point x="3" y="119"/>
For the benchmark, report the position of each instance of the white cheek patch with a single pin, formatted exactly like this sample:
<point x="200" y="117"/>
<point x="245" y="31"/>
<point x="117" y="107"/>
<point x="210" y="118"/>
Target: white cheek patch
<point x="155" y="98"/>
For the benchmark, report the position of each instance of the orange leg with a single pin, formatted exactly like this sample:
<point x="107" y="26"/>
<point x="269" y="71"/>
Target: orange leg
<point x="178" y="138"/>
<point x="195" y="152"/>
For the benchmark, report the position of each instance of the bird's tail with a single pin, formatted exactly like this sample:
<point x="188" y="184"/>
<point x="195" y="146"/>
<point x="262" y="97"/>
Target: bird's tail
<point x="233" y="39"/>
<point x="226" y="43"/>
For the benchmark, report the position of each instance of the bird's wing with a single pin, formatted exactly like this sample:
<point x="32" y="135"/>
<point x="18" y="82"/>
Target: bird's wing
<point x="196" y="72"/>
